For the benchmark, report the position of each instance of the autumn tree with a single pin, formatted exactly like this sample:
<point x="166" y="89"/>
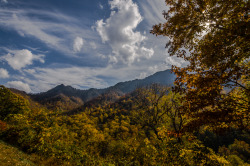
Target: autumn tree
<point x="213" y="36"/>
<point x="11" y="104"/>
<point x="159" y="106"/>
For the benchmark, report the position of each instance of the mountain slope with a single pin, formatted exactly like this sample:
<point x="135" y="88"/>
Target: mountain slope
<point x="10" y="156"/>
<point x="75" y="97"/>
<point x="162" y="77"/>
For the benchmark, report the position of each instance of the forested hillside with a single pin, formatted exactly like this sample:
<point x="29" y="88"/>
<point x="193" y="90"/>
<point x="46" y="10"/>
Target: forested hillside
<point x="143" y="128"/>
<point x="67" y="98"/>
<point x="203" y="119"/>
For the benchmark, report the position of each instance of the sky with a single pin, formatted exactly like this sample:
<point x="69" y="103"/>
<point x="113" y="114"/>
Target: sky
<point x="81" y="43"/>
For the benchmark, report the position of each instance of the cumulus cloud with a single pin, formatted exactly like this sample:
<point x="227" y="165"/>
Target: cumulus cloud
<point x="78" y="43"/>
<point x="4" y="73"/>
<point x="19" y="59"/>
<point x="119" y="32"/>
<point x="19" y="85"/>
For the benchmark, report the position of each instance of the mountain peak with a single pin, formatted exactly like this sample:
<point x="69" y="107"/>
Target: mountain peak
<point x="59" y="86"/>
<point x="120" y="89"/>
<point x="62" y="87"/>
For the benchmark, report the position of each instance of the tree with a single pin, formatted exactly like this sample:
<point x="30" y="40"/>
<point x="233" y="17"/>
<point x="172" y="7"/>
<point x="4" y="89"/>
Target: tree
<point x="156" y="106"/>
<point x="11" y="104"/>
<point x="213" y="36"/>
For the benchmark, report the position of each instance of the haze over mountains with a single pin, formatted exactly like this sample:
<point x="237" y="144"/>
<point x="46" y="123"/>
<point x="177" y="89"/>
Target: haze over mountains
<point x="75" y="97"/>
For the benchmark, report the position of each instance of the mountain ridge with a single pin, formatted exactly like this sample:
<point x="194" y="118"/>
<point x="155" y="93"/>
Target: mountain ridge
<point x="77" y="97"/>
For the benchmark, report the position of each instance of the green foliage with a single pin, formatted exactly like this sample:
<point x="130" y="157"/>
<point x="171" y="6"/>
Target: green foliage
<point x="153" y="125"/>
<point x="237" y="153"/>
<point x="120" y="133"/>
<point x="235" y="160"/>
<point x="10" y="156"/>
<point x="11" y="104"/>
<point x="212" y="36"/>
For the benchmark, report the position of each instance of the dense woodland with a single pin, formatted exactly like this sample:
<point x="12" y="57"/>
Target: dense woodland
<point x="143" y="128"/>
<point x="202" y="120"/>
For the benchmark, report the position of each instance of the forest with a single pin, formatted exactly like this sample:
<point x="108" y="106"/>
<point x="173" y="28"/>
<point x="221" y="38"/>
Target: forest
<point x="202" y="120"/>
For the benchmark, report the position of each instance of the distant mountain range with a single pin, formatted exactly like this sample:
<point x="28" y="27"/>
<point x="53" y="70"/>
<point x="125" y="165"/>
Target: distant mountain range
<point x="67" y="96"/>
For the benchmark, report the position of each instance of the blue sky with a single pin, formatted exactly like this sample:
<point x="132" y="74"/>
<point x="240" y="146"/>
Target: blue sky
<point x="82" y="43"/>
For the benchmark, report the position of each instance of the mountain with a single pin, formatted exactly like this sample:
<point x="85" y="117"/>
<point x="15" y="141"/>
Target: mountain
<point x="162" y="77"/>
<point x="67" y="97"/>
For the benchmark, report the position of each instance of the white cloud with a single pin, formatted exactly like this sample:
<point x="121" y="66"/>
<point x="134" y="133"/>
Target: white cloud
<point x="112" y="59"/>
<point x="142" y="75"/>
<point x="4" y="73"/>
<point x="101" y="56"/>
<point x="30" y="71"/>
<point x="45" y="78"/>
<point x="42" y="79"/>
<point x="119" y="32"/>
<point x="55" y="32"/>
<point x="173" y="60"/>
<point x="19" y="85"/>
<point x="78" y="43"/>
<point x="25" y="26"/>
<point x="93" y="45"/>
<point x="101" y="6"/>
<point x="152" y="11"/>
<point x="4" y="1"/>
<point x="19" y="59"/>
